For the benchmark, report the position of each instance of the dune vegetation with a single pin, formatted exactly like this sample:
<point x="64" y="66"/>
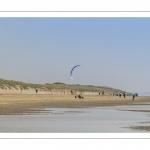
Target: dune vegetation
<point x="47" y="87"/>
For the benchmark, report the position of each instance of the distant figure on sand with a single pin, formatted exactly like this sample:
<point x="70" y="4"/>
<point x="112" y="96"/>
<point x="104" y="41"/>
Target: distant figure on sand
<point x="36" y="91"/>
<point x="99" y="93"/>
<point x="102" y="92"/>
<point x="124" y="95"/>
<point x="120" y="95"/>
<point x="71" y="92"/>
<point x="133" y="97"/>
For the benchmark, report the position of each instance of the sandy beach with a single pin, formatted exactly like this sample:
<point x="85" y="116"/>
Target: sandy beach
<point x="11" y="104"/>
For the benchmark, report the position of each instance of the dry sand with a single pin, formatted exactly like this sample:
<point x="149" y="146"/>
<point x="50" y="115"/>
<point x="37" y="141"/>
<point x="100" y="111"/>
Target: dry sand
<point x="11" y="104"/>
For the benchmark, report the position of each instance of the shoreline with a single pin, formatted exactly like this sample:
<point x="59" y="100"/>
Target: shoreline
<point x="14" y="104"/>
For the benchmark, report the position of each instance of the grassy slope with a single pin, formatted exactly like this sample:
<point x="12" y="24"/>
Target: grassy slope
<point x="60" y="86"/>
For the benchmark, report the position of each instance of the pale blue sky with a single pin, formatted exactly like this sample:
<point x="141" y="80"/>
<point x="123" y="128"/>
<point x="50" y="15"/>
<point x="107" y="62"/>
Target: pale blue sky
<point x="113" y="52"/>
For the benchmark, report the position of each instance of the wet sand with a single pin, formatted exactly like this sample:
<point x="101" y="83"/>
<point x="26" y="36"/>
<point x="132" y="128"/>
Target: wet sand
<point x="23" y="103"/>
<point x="140" y="128"/>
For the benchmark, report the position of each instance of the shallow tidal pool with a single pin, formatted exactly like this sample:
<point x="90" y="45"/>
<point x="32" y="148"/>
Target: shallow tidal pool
<point x="116" y="119"/>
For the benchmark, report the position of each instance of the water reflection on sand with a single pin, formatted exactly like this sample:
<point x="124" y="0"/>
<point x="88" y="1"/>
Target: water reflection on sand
<point x="77" y="120"/>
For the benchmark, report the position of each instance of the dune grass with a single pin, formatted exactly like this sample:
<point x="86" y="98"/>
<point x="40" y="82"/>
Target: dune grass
<point x="18" y="85"/>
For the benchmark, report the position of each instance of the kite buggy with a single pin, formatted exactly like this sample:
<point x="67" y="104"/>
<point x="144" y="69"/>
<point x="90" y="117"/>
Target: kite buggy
<point x="79" y="96"/>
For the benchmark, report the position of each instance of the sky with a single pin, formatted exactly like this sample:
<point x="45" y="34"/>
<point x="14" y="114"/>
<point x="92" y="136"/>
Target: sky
<point x="112" y="52"/>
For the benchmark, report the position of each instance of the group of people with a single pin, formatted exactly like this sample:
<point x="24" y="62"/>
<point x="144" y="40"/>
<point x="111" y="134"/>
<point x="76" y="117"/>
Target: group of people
<point x="124" y="95"/>
<point x="100" y="93"/>
<point x="118" y="94"/>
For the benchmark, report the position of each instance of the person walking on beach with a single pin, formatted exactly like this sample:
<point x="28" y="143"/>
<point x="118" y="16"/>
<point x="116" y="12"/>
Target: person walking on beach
<point x="133" y="97"/>
<point x="99" y="93"/>
<point x="36" y="91"/>
<point x="124" y="95"/>
<point x="120" y="95"/>
<point x="71" y="92"/>
<point x="103" y="93"/>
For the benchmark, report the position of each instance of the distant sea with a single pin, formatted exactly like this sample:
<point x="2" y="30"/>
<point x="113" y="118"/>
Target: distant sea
<point x="143" y="93"/>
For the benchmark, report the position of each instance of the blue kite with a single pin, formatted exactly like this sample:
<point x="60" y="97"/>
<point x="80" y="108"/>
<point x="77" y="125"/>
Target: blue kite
<point x="72" y="71"/>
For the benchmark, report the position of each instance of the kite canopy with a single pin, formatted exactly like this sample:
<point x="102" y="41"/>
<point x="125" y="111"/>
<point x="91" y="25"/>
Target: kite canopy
<point x="72" y="71"/>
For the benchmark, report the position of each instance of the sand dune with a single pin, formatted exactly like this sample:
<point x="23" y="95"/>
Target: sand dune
<point x="51" y="92"/>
